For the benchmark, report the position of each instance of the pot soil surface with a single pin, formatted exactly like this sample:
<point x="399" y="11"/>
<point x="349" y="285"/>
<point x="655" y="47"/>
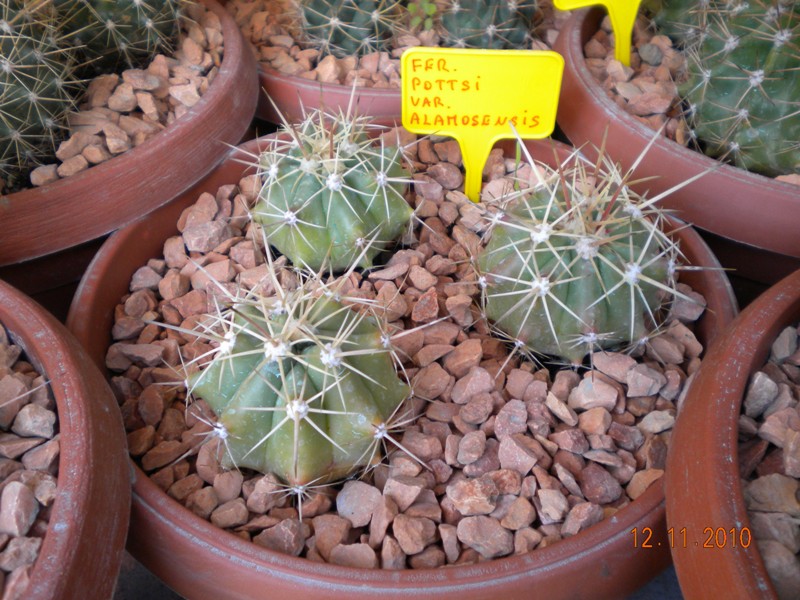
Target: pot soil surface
<point x="29" y="447"/>
<point x="516" y="456"/>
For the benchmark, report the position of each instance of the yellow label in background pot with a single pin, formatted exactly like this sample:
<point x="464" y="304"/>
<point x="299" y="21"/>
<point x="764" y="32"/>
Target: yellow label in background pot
<point x="622" y="14"/>
<point x="479" y="97"/>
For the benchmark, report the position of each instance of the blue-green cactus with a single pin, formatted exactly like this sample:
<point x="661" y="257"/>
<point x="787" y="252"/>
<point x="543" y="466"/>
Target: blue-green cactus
<point x="303" y="386"/>
<point x="577" y="263"/>
<point x="331" y="195"/>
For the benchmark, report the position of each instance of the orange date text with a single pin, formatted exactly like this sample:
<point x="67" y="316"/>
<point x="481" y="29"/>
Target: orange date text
<point x="710" y="537"/>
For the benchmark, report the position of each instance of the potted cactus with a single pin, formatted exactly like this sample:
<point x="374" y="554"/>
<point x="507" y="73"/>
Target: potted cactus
<point x="319" y="356"/>
<point x="754" y="237"/>
<point x="709" y="483"/>
<point x="86" y="515"/>
<point x="41" y="256"/>
<point x="354" y="47"/>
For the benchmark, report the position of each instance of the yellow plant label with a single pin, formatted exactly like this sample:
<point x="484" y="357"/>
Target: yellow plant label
<point x="479" y="97"/>
<point x="622" y="14"/>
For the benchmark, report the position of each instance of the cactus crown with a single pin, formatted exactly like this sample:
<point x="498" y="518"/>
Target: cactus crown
<point x="35" y="81"/>
<point x="743" y="91"/>
<point x="487" y="24"/>
<point x="576" y="263"/>
<point x="304" y="386"/>
<point x="119" y="33"/>
<point x="347" y="27"/>
<point x="421" y="14"/>
<point x="330" y="195"/>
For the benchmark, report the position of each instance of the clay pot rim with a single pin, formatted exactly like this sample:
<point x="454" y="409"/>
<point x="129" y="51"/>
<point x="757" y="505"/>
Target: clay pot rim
<point x="94" y="492"/>
<point x="581" y="93"/>
<point x="288" y="92"/>
<point x="703" y="460"/>
<point x="27" y="236"/>
<point x="155" y="504"/>
<point x="268" y="73"/>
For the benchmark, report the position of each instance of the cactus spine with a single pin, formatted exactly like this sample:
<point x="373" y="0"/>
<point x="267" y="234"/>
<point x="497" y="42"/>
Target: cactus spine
<point x="120" y="33"/>
<point x="577" y="263"/>
<point x="304" y="387"/>
<point x="486" y="24"/>
<point x="743" y="88"/>
<point x="329" y="193"/>
<point x="682" y="20"/>
<point x="35" y="77"/>
<point x="346" y="27"/>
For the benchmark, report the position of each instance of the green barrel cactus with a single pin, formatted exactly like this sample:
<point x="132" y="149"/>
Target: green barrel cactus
<point x="331" y="196"/>
<point x="119" y="33"/>
<point x="35" y="82"/>
<point x="743" y="88"/>
<point x="487" y="24"/>
<point x="577" y="263"/>
<point x="349" y="27"/>
<point x="304" y="387"/>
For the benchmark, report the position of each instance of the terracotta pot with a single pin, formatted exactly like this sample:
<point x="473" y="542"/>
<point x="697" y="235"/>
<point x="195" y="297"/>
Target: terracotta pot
<point x="83" y="547"/>
<point x="198" y="560"/>
<point x="755" y="218"/>
<point x="54" y="218"/>
<point x="291" y="94"/>
<point x="702" y="477"/>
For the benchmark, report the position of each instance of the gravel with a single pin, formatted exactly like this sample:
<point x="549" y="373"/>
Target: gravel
<point x="516" y="456"/>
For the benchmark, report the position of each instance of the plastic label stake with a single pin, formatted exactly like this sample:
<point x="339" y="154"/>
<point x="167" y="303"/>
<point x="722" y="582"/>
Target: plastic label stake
<point x="475" y="96"/>
<point x="623" y="16"/>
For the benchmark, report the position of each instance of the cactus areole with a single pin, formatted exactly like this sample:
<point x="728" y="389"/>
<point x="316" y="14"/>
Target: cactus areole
<point x="488" y="24"/>
<point x="303" y="386"/>
<point x="577" y="263"/>
<point x="330" y="195"/>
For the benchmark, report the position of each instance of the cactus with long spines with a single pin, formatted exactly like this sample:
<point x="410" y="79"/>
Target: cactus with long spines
<point x="743" y="87"/>
<point x="577" y="263"/>
<point x="304" y="386"/>
<point x="682" y="20"/>
<point x="330" y="191"/>
<point x="487" y="24"/>
<point x="35" y="81"/>
<point x="114" y="34"/>
<point x="349" y="27"/>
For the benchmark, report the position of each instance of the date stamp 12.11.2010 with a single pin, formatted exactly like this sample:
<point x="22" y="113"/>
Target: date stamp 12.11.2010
<point x="711" y="537"/>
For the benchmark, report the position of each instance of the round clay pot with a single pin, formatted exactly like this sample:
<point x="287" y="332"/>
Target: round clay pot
<point x="56" y="217"/>
<point x="199" y="560"/>
<point x="83" y="546"/>
<point x="293" y="95"/>
<point x="702" y="477"/>
<point x="755" y="219"/>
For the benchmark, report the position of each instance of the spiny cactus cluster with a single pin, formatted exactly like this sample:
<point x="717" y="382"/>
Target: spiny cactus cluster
<point x="488" y="24"/>
<point x="304" y="386"/>
<point x="304" y="383"/>
<point x="577" y="263"/>
<point x="35" y="81"/>
<point x="330" y="195"/>
<point x="347" y="27"/>
<point x="119" y="33"/>
<point x="743" y="88"/>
